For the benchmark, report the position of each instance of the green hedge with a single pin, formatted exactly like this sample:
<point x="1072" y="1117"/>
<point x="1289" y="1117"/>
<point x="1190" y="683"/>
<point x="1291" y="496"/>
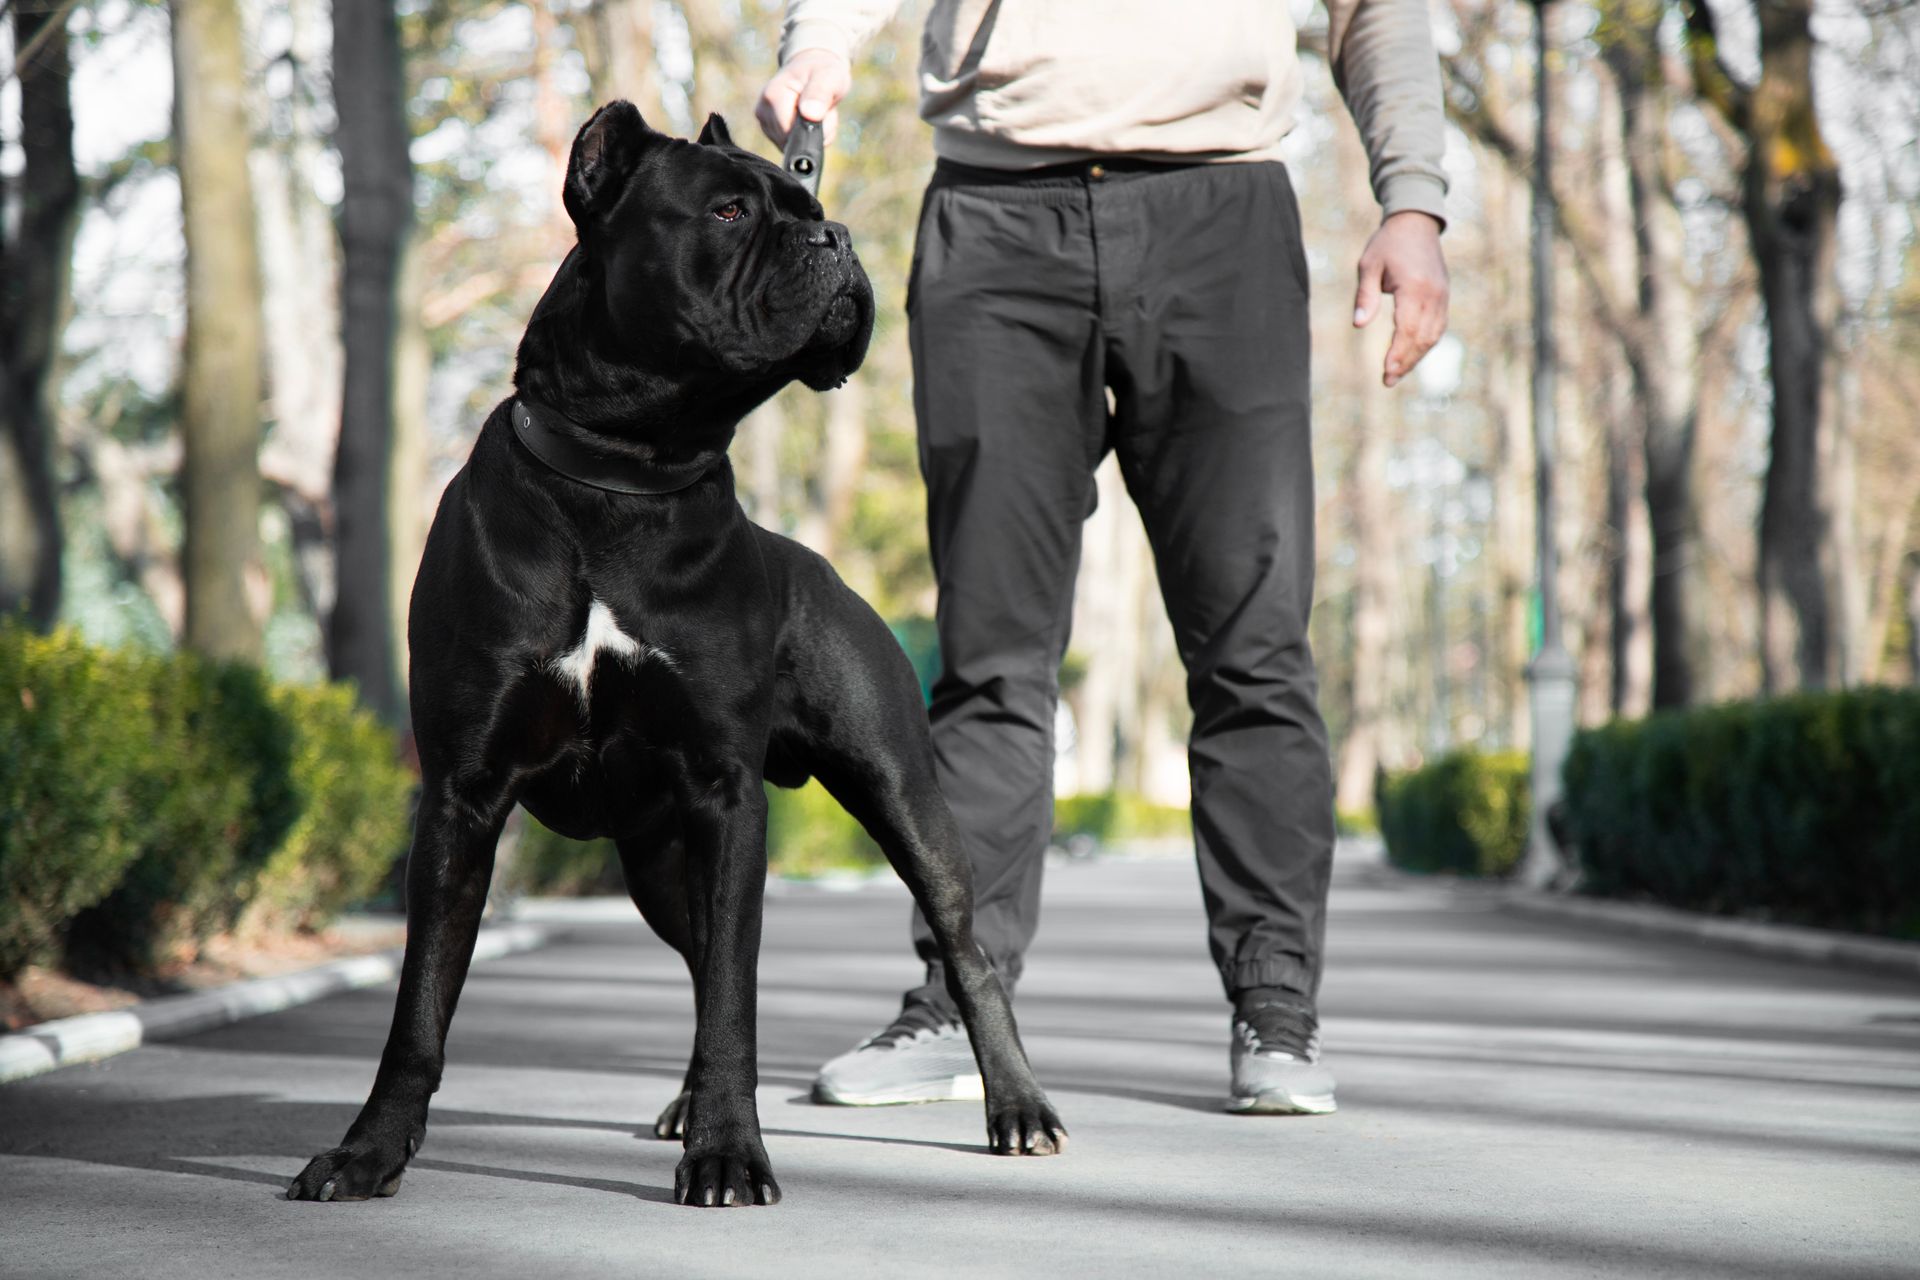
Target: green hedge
<point x="353" y="824"/>
<point x="147" y="801"/>
<point x="1465" y="813"/>
<point x="1108" y="816"/>
<point x="1804" y="808"/>
<point x="547" y="863"/>
<point x="214" y="797"/>
<point x="73" y="736"/>
<point x="808" y="834"/>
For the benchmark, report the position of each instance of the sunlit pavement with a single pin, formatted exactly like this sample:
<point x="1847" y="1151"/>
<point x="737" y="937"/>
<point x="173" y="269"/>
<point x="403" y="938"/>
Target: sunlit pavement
<point x="1518" y="1097"/>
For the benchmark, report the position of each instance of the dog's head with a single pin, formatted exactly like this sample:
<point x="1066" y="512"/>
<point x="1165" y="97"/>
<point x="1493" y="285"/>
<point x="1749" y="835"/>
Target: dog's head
<point x="704" y="256"/>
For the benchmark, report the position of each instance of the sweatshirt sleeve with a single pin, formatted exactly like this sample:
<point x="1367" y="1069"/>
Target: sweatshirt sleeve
<point x="1386" y="68"/>
<point x="839" y="26"/>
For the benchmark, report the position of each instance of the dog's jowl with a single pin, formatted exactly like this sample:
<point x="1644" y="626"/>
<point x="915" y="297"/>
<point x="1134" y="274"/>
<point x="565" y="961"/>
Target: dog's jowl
<point x="598" y="633"/>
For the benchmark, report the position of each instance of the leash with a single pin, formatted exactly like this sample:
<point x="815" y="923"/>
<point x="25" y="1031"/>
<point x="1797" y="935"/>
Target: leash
<point x="560" y="453"/>
<point x="806" y="152"/>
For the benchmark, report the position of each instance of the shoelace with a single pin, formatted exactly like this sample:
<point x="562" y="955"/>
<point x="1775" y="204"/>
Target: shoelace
<point x="1279" y="1028"/>
<point x="916" y="1022"/>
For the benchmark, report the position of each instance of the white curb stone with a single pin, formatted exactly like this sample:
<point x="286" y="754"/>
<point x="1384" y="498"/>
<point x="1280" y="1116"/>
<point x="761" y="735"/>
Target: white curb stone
<point x="1820" y="946"/>
<point x="89" y="1037"/>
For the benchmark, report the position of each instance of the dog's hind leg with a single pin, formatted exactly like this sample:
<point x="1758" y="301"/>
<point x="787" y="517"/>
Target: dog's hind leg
<point x="655" y="867"/>
<point x="904" y="812"/>
<point x="447" y="874"/>
<point x="859" y="713"/>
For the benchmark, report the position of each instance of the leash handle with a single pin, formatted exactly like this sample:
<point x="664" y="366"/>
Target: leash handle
<point x="806" y="152"/>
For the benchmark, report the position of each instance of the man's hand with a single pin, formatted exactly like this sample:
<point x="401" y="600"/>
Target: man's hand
<point x="812" y="82"/>
<point x="1403" y="258"/>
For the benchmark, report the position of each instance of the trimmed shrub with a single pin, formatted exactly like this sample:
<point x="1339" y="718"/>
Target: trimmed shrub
<point x="74" y="734"/>
<point x="1466" y="813"/>
<point x="352" y="794"/>
<point x="145" y="801"/>
<point x="1804" y="808"/>
<point x="1109" y="816"/>
<point x="547" y="863"/>
<point x="808" y="834"/>
<point x="1090" y="814"/>
<point x="214" y="798"/>
<point x="1355" y="822"/>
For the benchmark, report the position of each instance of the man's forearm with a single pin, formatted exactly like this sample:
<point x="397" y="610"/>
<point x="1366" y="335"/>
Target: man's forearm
<point x="1389" y="74"/>
<point x="839" y="26"/>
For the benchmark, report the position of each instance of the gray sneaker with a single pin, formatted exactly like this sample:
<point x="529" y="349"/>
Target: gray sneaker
<point x="1276" y="1062"/>
<point x="924" y="1056"/>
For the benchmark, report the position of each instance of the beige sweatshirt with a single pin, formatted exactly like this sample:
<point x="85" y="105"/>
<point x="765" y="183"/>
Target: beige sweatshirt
<point x="1013" y="84"/>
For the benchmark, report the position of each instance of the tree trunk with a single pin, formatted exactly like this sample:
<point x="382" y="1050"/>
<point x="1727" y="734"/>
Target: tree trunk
<point x="1662" y="361"/>
<point x="410" y="502"/>
<point x="220" y="381"/>
<point x="1355" y="408"/>
<point x="376" y="220"/>
<point x="828" y="520"/>
<point x="553" y="123"/>
<point x="1369" y="507"/>
<point x="761" y="435"/>
<point x="619" y="55"/>
<point x="1912" y="594"/>
<point x="1106" y="700"/>
<point x="1513" y="516"/>
<point x="35" y="280"/>
<point x="299" y="259"/>
<point x="1792" y="206"/>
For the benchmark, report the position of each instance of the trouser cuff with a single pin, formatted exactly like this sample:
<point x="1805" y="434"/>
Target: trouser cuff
<point x="1281" y="970"/>
<point x="933" y="992"/>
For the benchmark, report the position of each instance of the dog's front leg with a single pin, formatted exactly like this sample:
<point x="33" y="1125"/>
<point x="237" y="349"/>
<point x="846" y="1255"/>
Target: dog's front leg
<point x="725" y="825"/>
<point x="447" y="874"/>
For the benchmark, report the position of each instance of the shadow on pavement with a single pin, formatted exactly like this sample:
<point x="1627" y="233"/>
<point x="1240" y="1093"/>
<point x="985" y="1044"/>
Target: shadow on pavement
<point x="189" y="1135"/>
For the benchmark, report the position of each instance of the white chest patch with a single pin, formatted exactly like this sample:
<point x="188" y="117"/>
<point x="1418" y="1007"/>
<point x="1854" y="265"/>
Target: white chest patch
<point x="603" y="634"/>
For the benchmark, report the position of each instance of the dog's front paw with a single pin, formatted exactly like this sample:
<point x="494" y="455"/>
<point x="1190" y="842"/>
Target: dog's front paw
<point x="357" y="1171"/>
<point x="1025" y="1127"/>
<point x="722" y="1177"/>
<point x="673" y="1121"/>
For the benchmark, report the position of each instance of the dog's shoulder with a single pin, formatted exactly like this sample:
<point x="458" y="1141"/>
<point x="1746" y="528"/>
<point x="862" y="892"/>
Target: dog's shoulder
<point x="793" y="566"/>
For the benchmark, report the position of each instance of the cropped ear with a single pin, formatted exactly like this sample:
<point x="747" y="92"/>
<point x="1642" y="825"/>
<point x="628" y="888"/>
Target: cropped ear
<point x="605" y="151"/>
<point x="714" y="132"/>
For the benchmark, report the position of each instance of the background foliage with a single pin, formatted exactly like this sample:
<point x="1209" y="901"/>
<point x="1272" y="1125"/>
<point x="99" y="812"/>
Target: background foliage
<point x="149" y="802"/>
<point x="1800" y="809"/>
<point x="1465" y="813"/>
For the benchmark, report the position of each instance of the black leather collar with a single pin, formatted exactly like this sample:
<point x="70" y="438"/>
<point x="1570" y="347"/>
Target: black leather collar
<point x="533" y="426"/>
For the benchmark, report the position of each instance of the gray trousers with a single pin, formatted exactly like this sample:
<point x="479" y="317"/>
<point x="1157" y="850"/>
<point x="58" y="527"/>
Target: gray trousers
<point x="1184" y="290"/>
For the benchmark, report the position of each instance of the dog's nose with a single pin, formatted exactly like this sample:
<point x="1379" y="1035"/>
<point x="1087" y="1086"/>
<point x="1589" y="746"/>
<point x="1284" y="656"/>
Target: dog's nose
<point x="827" y="234"/>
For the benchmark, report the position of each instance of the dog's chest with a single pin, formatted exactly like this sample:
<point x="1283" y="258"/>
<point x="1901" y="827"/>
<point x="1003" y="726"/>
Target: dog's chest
<point x="601" y="640"/>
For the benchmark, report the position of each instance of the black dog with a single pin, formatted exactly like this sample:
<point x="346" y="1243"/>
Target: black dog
<point x="600" y="634"/>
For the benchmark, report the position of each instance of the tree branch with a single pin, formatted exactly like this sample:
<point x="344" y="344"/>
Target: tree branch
<point x="1712" y="79"/>
<point x="1480" y="122"/>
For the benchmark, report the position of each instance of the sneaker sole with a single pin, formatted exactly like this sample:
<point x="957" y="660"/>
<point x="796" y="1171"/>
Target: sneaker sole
<point x="968" y="1088"/>
<point x="1278" y="1102"/>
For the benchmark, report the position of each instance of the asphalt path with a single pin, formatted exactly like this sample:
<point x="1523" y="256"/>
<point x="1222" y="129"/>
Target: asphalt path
<point x="1518" y="1096"/>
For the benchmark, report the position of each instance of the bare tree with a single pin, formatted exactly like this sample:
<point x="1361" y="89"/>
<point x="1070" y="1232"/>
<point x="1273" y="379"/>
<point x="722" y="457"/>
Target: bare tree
<point x="1660" y="354"/>
<point x="220" y="381"/>
<point x="35" y="271"/>
<point x="617" y="42"/>
<point x="1791" y="203"/>
<point x="1364" y="415"/>
<point x="376" y="224"/>
<point x="300" y="275"/>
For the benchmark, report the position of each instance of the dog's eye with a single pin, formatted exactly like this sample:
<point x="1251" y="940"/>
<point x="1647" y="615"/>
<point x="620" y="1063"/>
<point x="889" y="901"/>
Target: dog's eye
<point x="731" y="211"/>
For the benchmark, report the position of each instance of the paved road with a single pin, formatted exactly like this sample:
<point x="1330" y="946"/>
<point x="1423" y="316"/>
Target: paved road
<point x="1518" y="1098"/>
